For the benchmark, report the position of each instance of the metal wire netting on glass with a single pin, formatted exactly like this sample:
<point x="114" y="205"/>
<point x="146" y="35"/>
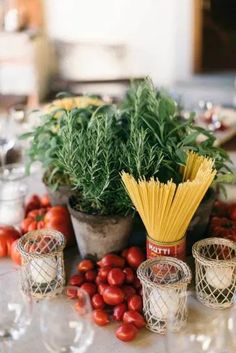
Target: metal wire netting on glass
<point x="42" y="256"/>
<point x="164" y="285"/>
<point x="215" y="266"/>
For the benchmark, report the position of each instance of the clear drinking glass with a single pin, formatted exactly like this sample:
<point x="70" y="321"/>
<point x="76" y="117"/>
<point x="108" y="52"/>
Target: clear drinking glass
<point x="203" y="331"/>
<point x="15" y="309"/>
<point x="66" y="323"/>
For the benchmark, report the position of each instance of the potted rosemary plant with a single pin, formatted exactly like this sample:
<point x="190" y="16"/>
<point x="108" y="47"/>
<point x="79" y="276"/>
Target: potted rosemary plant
<point x="45" y="141"/>
<point x="91" y="157"/>
<point x="158" y="139"/>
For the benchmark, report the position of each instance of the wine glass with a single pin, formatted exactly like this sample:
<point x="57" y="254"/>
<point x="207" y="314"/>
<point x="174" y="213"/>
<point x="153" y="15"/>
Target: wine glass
<point x="65" y="323"/>
<point x="7" y="138"/>
<point x="15" y="309"/>
<point x="202" y="332"/>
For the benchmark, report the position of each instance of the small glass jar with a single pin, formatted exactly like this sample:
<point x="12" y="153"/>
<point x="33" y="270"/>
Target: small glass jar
<point x="12" y="196"/>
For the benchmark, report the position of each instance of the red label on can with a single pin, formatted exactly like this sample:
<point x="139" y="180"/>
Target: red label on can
<point x="176" y="250"/>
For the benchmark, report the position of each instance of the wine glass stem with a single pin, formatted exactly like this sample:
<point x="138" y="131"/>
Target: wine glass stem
<point x="7" y="346"/>
<point x="3" y="154"/>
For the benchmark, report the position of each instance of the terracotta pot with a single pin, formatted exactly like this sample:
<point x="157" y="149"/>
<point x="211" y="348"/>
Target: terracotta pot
<point x="98" y="235"/>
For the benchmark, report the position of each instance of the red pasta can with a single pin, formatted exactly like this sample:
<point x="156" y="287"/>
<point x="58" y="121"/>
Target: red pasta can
<point x="175" y="249"/>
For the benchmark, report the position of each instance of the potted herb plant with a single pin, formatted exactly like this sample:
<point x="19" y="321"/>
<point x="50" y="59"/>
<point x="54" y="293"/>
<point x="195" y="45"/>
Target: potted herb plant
<point x="158" y="141"/>
<point x="45" y="140"/>
<point x="91" y="157"/>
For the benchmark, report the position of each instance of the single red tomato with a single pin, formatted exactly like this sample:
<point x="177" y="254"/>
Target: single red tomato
<point x="97" y="301"/>
<point x="128" y="291"/>
<point x="119" y="311"/>
<point x="135" y="318"/>
<point x="116" y="277"/>
<point x="124" y="253"/>
<point x="129" y="275"/>
<point x="100" y="317"/>
<point x="135" y="257"/>
<point x="135" y="303"/>
<point x="103" y="272"/>
<point x="45" y="201"/>
<point x="58" y="218"/>
<point x="32" y="203"/>
<point x="71" y="293"/>
<point x="90" y="275"/>
<point x="102" y="287"/>
<point x="233" y="212"/>
<point x="90" y="288"/>
<point x="126" y="332"/>
<point x="85" y="265"/>
<point x="99" y="280"/>
<point x="15" y="255"/>
<point x="77" y="280"/>
<point x="8" y="235"/>
<point x="136" y="283"/>
<point x="111" y="260"/>
<point x="113" y="295"/>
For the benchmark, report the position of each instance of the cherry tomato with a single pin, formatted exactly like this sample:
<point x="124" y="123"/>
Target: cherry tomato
<point x="103" y="272"/>
<point x="124" y="253"/>
<point x="111" y="260"/>
<point x="90" y="275"/>
<point x="102" y="287"/>
<point x="129" y="275"/>
<point x="97" y="301"/>
<point x="135" y="303"/>
<point x="100" y="317"/>
<point x="233" y="212"/>
<point x="116" y="277"/>
<point x="119" y="311"/>
<point x="136" y="283"/>
<point x="90" y="288"/>
<point x="77" y="280"/>
<point x="126" y="332"/>
<point x="32" y="203"/>
<point x="71" y="293"/>
<point x="128" y="291"/>
<point x="135" y="257"/>
<point x="85" y="265"/>
<point x="135" y="318"/>
<point x="99" y="280"/>
<point x="113" y="295"/>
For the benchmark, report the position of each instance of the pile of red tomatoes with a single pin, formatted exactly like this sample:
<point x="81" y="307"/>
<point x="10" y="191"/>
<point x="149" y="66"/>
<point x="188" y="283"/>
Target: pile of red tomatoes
<point x="114" y="290"/>
<point x="223" y="220"/>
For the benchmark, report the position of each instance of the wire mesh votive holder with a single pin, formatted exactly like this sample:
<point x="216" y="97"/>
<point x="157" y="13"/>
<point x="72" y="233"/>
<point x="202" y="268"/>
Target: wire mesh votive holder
<point x="164" y="288"/>
<point x="42" y="257"/>
<point x="215" y="272"/>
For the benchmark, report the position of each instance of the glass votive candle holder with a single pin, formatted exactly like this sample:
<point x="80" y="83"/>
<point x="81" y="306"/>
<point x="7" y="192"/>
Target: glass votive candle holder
<point x="12" y="197"/>
<point x="42" y="257"/>
<point x="164" y="288"/>
<point x="215" y="266"/>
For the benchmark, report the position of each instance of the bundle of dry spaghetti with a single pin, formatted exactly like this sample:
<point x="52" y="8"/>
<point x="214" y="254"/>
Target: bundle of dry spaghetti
<point x="166" y="209"/>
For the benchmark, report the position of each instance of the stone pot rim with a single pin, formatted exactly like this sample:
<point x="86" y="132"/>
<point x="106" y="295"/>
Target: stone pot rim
<point x="88" y="216"/>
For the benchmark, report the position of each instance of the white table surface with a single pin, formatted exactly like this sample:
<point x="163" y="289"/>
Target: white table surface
<point x="104" y="340"/>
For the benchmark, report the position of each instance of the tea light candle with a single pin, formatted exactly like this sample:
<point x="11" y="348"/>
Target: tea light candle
<point x="11" y="203"/>
<point x="219" y="278"/>
<point x="43" y="270"/>
<point x="163" y="300"/>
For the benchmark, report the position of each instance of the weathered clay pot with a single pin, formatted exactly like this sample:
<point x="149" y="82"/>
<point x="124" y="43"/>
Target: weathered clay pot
<point x="60" y="195"/>
<point x="198" y="226"/>
<point x="99" y="235"/>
